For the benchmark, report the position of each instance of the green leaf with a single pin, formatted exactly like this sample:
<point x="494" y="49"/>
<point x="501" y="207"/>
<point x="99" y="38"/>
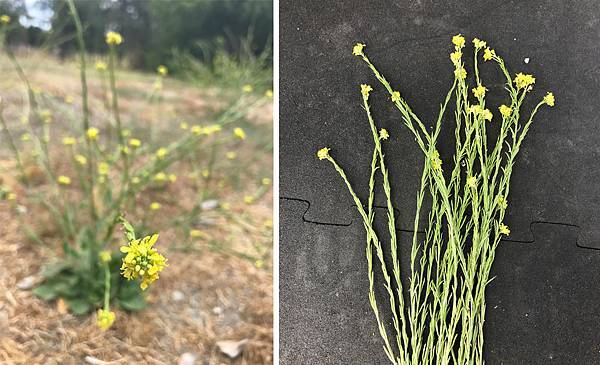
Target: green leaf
<point x="78" y="306"/>
<point x="45" y="292"/>
<point x="134" y="303"/>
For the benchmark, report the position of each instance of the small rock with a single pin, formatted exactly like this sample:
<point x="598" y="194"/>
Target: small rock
<point x="209" y="204"/>
<point x="187" y="358"/>
<point x="217" y="310"/>
<point x="177" y="296"/>
<point x="526" y="60"/>
<point x="232" y="349"/>
<point x="94" y="361"/>
<point x="27" y="282"/>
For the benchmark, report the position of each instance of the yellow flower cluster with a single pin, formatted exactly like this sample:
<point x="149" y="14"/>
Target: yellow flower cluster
<point x="460" y="73"/>
<point x="105" y="319"/>
<point x="479" y="91"/>
<point x="64" y="180"/>
<point x="365" y="90"/>
<point x="455" y="57"/>
<point x="549" y="99"/>
<point x="247" y="88"/>
<point x="489" y="54"/>
<point x="101" y="66"/>
<point x="396" y="96"/>
<point x="69" y="141"/>
<point x="105" y="256"/>
<point x="358" y="49"/>
<point x="113" y="38"/>
<point x="81" y="159"/>
<point x="135" y="143"/>
<point x="4" y="19"/>
<point x="436" y="161"/>
<point x="501" y="201"/>
<point x="458" y="41"/>
<point x="92" y="133"/>
<point x="239" y="133"/>
<point x="155" y="206"/>
<point x="162" y="70"/>
<point x="142" y="261"/>
<point x="161" y="153"/>
<point x="504" y="229"/>
<point x="383" y="134"/>
<point x="472" y="182"/>
<point x="478" y="43"/>
<point x="524" y="81"/>
<point x="323" y="153"/>
<point x="505" y="110"/>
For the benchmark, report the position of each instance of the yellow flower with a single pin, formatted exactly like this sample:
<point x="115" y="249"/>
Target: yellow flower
<point x="248" y="199"/>
<point x="183" y="125"/>
<point x="226" y="206"/>
<point x="11" y="196"/>
<point x="231" y="155"/>
<point x="105" y="256"/>
<point x="489" y="54"/>
<point x="213" y="128"/>
<point x="81" y="159"/>
<point x="114" y="38"/>
<point x="455" y="57"/>
<point x="523" y="81"/>
<point x="126" y="133"/>
<point x="478" y="43"/>
<point x="125" y="149"/>
<point x="323" y="153"/>
<point x="460" y="73"/>
<point x="395" y="96"/>
<point x="92" y="133"/>
<point x="69" y="141"/>
<point x="142" y="261"/>
<point x="105" y="319"/>
<point x="472" y="182"/>
<point x="505" y="110"/>
<point x="197" y="130"/>
<point x="365" y="90"/>
<point x="135" y="143"/>
<point x="239" y="132"/>
<point x="479" y="91"/>
<point x="205" y="173"/>
<point x="101" y="66"/>
<point x="196" y="233"/>
<point x="487" y="114"/>
<point x="268" y="223"/>
<point x="269" y="93"/>
<point x="69" y="99"/>
<point x="5" y="19"/>
<point x="64" y="180"/>
<point x="504" y="229"/>
<point x="266" y="181"/>
<point x="155" y="206"/>
<point x="475" y="109"/>
<point x="161" y="153"/>
<point x="162" y="70"/>
<point x="161" y="176"/>
<point x="436" y="162"/>
<point x="103" y="168"/>
<point x="358" y="49"/>
<point x="247" y="88"/>
<point x="383" y="134"/>
<point x="501" y="201"/>
<point x="549" y="99"/>
<point x="46" y="116"/>
<point x="458" y="40"/>
<point x="135" y="180"/>
<point x="25" y="137"/>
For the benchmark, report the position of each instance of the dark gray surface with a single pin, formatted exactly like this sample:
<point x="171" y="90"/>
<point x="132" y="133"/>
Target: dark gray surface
<point x="556" y="176"/>
<point x="550" y="279"/>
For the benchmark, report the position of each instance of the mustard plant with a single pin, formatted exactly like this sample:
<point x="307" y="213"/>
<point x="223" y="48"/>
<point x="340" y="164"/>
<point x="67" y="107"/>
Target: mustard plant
<point x="439" y="318"/>
<point x="105" y="169"/>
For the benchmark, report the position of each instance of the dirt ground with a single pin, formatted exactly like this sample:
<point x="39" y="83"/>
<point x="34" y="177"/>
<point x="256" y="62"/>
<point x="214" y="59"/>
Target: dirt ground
<point x="205" y="295"/>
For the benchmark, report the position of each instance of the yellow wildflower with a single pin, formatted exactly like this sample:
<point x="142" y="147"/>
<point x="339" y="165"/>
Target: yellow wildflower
<point x="226" y="206"/>
<point x="4" y="19"/>
<point x="183" y="125"/>
<point x="213" y="128"/>
<point x="126" y="133"/>
<point x="479" y="91"/>
<point x="162" y="70"/>
<point x="105" y="319"/>
<point x="358" y="49"/>
<point x="135" y="143"/>
<point x="460" y="73"/>
<point x="395" y="96"/>
<point x="478" y="43"/>
<point x="205" y="173"/>
<point x="64" y="180"/>
<point x="504" y="229"/>
<point x="269" y="93"/>
<point x="487" y="114"/>
<point x="505" y="110"/>
<point x="161" y="176"/>
<point x="239" y="132"/>
<point x="11" y="196"/>
<point x="69" y="141"/>
<point x="46" y="116"/>
<point x="472" y="182"/>
<point x="323" y="153"/>
<point x="82" y="160"/>
<point x="383" y="134"/>
<point x="92" y="133"/>
<point x="268" y="223"/>
<point x="455" y="57"/>
<point x="501" y="201"/>
<point x="436" y="162"/>
<point x="105" y="256"/>
<point x="259" y="264"/>
<point x="125" y="150"/>
<point x="142" y="261"/>
<point x="231" y="155"/>
<point x="247" y="88"/>
<point x="266" y="181"/>
<point x="113" y="38"/>
<point x="549" y="99"/>
<point x="196" y="233"/>
<point x="69" y="99"/>
<point x="458" y="40"/>
<point x="365" y="90"/>
<point x="25" y="137"/>
<point x="197" y="130"/>
<point x="489" y="54"/>
<point x="101" y="66"/>
<point x="161" y="153"/>
<point x="172" y="178"/>
<point x="155" y="206"/>
<point x="523" y="81"/>
<point x="248" y="199"/>
<point x="103" y="168"/>
<point x="475" y="109"/>
<point x="135" y="180"/>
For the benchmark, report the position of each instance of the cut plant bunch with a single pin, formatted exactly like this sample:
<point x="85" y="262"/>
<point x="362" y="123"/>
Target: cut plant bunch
<point x="439" y="317"/>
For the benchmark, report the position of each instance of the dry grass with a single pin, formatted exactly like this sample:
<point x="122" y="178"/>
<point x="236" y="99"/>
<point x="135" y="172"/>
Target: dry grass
<point x="204" y="296"/>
